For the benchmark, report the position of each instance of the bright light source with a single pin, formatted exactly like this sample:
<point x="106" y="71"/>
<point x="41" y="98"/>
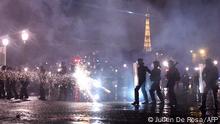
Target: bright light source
<point x="59" y="70"/>
<point x="191" y="51"/>
<point x="49" y="73"/>
<point x="125" y="65"/>
<point x="130" y="12"/>
<point x="26" y="69"/>
<point x="5" y="41"/>
<point x="116" y="70"/>
<point x="165" y="63"/>
<point x="96" y="97"/>
<point x="97" y="83"/>
<point x="187" y="68"/>
<point x="60" y="65"/>
<point x="202" y="52"/>
<point x="196" y="68"/>
<point x="215" y="62"/>
<point x="24" y="36"/>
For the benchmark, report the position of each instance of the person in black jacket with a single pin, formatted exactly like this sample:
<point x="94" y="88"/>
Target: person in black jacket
<point x="173" y="76"/>
<point x="142" y="71"/>
<point x="24" y="80"/>
<point x="210" y="75"/>
<point x="155" y="77"/>
<point x="42" y="76"/>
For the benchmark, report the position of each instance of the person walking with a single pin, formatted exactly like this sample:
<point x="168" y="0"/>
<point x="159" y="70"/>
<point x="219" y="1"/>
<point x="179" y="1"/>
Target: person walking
<point x="142" y="71"/>
<point x="155" y="77"/>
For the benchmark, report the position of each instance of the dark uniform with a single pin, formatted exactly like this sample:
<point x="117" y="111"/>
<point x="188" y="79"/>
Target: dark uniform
<point x="13" y="85"/>
<point x="8" y="85"/>
<point x="142" y="71"/>
<point x="24" y="84"/>
<point x="173" y="76"/>
<point x="210" y="76"/>
<point x="42" y="76"/>
<point x="62" y="86"/>
<point x="2" y="84"/>
<point x="155" y="76"/>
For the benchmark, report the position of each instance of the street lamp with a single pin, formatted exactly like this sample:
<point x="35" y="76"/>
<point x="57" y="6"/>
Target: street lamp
<point x="202" y="52"/>
<point x="5" y="43"/>
<point x="24" y="36"/>
<point x="165" y="63"/>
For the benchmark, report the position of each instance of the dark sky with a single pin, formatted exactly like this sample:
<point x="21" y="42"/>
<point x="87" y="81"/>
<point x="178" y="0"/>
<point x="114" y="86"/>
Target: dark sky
<point x="63" y="28"/>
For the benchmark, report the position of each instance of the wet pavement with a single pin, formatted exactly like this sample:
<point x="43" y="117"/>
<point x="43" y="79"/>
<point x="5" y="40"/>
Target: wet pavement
<point x="36" y="111"/>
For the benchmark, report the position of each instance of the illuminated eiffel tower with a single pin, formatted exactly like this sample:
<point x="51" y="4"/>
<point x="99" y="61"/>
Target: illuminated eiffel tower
<point x="147" y="41"/>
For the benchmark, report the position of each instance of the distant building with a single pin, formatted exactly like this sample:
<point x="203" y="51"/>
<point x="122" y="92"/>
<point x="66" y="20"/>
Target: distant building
<point x="147" y="41"/>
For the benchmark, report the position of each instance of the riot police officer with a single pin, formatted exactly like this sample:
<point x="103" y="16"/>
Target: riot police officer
<point x="42" y="77"/>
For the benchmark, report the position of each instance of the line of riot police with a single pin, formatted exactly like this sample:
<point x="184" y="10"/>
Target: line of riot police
<point x="10" y="81"/>
<point x="19" y="83"/>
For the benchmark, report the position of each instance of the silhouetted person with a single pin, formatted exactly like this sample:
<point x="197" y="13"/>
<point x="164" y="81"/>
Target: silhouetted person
<point x="62" y="86"/>
<point x="185" y="80"/>
<point x="173" y="76"/>
<point x="24" y="84"/>
<point x="142" y="71"/>
<point x="8" y="85"/>
<point x="155" y="77"/>
<point x="210" y="76"/>
<point x="13" y="86"/>
<point x="42" y="76"/>
<point x="2" y="85"/>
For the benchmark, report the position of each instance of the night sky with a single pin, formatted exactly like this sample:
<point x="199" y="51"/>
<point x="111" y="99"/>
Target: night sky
<point x="61" y="29"/>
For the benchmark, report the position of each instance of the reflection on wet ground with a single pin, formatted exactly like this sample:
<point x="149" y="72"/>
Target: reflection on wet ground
<point x="35" y="111"/>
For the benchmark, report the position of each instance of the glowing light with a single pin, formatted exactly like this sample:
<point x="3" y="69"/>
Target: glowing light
<point x="196" y="68"/>
<point x="96" y="107"/>
<point x="96" y="97"/>
<point x="5" y="41"/>
<point x="202" y="52"/>
<point x="88" y="63"/>
<point x="26" y="69"/>
<point x="165" y="63"/>
<point x="116" y="70"/>
<point x="59" y="65"/>
<point x="49" y="73"/>
<point x="215" y="62"/>
<point x="187" y="68"/>
<point x="59" y="70"/>
<point x="125" y="65"/>
<point x="191" y="51"/>
<point x="130" y="12"/>
<point x="24" y="36"/>
<point x="85" y="82"/>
